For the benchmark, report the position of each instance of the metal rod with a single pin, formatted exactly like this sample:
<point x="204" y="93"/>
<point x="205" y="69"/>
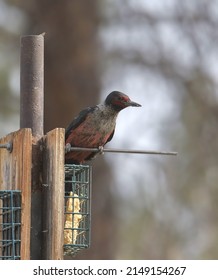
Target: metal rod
<point x="32" y="83"/>
<point x="102" y="150"/>
<point x="8" y="146"/>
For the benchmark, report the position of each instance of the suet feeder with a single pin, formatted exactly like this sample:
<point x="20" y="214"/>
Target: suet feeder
<point x="77" y="208"/>
<point x="10" y="224"/>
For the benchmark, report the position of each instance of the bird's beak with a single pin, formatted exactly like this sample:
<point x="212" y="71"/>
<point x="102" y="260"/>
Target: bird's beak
<point x="133" y="104"/>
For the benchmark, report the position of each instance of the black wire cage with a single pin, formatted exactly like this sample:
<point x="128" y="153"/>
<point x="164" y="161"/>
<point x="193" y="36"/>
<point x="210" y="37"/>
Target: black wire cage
<point x="10" y="224"/>
<point x="77" y="208"/>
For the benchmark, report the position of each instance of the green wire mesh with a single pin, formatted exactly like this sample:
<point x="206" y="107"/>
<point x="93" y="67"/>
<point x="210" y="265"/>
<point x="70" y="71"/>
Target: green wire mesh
<point x="10" y="224"/>
<point x="77" y="208"/>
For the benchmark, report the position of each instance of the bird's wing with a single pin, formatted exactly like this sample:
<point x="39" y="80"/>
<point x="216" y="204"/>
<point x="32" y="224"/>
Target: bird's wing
<point x="78" y="120"/>
<point x="110" y="136"/>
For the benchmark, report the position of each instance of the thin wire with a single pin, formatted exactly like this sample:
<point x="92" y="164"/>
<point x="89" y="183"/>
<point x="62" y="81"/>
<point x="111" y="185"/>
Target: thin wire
<point x="102" y="150"/>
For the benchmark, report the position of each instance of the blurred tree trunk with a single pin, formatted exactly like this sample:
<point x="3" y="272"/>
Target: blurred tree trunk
<point x="71" y="83"/>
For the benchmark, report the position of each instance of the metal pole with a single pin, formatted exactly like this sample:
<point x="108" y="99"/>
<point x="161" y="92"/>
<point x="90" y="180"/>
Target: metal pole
<point x="122" y="151"/>
<point x="31" y="116"/>
<point x="8" y="146"/>
<point x="32" y="83"/>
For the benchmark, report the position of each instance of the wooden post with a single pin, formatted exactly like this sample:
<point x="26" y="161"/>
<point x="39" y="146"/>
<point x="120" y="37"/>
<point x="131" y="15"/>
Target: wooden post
<point x="15" y="174"/>
<point x="34" y="156"/>
<point x="53" y="186"/>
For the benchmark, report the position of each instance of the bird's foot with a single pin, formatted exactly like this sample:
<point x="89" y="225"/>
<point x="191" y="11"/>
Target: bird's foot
<point x="67" y="148"/>
<point x="101" y="150"/>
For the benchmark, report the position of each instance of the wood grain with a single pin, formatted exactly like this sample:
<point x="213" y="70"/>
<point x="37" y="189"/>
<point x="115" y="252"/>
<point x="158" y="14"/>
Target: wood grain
<point x="53" y="185"/>
<point x="15" y="174"/>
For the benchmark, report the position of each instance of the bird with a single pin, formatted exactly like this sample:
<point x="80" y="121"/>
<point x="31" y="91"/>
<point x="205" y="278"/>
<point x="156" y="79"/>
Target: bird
<point x="94" y="127"/>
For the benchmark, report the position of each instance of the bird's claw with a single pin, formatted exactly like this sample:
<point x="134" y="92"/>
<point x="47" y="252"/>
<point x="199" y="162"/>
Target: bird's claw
<point x="67" y="148"/>
<point x="101" y="150"/>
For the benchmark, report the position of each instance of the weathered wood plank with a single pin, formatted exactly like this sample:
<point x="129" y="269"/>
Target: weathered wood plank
<point x="53" y="182"/>
<point x="15" y="174"/>
<point x="36" y="200"/>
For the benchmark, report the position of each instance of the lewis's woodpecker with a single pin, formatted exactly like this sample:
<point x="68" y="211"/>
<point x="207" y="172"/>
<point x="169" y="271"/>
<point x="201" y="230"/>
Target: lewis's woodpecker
<point x="94" y="127"/>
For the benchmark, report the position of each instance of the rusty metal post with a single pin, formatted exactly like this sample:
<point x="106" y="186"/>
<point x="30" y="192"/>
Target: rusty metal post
<point x="32" y="83"/>
<point x="32" y="116"/>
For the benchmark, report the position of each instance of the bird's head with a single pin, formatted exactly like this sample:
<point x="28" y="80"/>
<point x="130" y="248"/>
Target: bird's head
<point x="118" y="101"/>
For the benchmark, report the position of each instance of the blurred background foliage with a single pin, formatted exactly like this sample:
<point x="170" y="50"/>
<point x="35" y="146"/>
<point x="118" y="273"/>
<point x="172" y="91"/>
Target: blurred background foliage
<point x="163" y="54"/>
